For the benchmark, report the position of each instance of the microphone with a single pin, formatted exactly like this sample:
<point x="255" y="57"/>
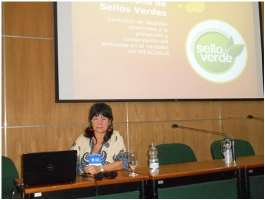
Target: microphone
<point x="112" y="174"/>
<point x="201" y="130"/>
<point x="257" y="118"/>
<point x="211" y="132"/>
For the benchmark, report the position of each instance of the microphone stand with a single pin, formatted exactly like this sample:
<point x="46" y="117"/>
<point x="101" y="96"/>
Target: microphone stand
<point x="211" y="132"/>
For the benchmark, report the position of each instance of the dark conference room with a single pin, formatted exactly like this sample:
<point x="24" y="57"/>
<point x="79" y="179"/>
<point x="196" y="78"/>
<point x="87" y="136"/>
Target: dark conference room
<point x="132" y="99"/>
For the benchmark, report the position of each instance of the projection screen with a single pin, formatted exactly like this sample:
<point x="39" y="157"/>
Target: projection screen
<point x="146" y="50"/>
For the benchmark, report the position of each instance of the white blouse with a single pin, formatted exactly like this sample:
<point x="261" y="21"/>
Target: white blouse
<point x="111" y="151"/>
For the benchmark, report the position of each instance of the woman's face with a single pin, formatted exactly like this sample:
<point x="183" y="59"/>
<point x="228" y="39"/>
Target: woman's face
<point x="100" y="124"/>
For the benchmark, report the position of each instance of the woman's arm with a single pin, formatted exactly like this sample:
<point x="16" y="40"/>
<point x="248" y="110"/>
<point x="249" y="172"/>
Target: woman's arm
<point x="92" y="169"/>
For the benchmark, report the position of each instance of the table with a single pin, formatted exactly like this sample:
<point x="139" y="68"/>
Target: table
<point x="253" y="176"/>
<point x="211" y="175"/>
<point x="206" y="172"/>
<point x="85" y="187"/>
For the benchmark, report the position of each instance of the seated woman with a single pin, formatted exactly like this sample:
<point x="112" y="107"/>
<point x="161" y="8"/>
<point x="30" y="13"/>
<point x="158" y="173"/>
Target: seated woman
<point x="99" y="138"/>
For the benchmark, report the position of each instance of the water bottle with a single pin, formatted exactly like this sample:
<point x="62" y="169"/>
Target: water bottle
<point x="227" y="150"/>
<point x="227" y="143"/>
<point x="153" y="160"/>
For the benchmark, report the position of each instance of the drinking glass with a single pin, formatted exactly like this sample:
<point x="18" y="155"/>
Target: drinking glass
<point x="133" y="162"/>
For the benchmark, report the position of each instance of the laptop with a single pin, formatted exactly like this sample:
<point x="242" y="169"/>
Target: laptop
<point x="49" y="167"/>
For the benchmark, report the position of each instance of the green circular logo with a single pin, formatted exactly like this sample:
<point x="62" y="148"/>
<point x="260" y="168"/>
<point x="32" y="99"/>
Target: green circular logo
<point x="216" y="51"/>
<point x="211" y="55"/>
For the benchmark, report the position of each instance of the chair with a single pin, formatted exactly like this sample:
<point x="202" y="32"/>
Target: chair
<point x="243" y="148"/>
<point x="9" y="173"/>
<point x="175" y="153"/>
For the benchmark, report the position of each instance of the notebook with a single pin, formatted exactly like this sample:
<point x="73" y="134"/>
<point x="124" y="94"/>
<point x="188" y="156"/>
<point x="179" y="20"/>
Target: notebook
<point x="49" y="167"/>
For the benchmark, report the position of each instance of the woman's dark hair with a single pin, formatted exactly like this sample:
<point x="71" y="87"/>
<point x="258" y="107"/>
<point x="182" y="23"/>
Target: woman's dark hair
<point x="96" y="110"/>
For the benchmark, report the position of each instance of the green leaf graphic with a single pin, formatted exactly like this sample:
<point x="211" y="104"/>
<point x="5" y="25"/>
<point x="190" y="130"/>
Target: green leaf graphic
<point x="229" y="42"/>
<point x="235" y="50"/>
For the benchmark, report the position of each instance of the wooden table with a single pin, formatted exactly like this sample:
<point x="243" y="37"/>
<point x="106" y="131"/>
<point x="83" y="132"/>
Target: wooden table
<point x="170" y="176"/>
<point x="85" y="187"/>
<point x="253" y="167"/>
<point x="201" y="172"/>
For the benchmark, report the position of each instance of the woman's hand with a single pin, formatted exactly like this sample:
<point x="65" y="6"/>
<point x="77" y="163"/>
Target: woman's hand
<point x="92" y="169"/>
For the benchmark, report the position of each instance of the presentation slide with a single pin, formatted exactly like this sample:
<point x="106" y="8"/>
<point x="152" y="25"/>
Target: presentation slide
<point x="147" y="50"/>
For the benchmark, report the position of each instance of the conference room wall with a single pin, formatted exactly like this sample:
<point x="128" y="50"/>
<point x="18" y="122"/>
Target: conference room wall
<point x="33" y="122"/>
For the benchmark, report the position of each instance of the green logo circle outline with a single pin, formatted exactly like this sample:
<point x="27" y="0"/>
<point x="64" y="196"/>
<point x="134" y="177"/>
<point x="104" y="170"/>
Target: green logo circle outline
<point x="198" y="72"/>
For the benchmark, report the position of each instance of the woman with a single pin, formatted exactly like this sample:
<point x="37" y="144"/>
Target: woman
<point x="100" y="138"/>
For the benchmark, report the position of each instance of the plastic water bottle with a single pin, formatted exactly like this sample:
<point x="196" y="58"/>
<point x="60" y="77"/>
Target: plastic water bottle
<point x="227" y="143"/>
<point x="227" y="150"/>
<point x="153" y="160"/>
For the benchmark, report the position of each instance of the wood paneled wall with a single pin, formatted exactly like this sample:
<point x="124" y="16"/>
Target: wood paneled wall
<point x="33" y="122"/>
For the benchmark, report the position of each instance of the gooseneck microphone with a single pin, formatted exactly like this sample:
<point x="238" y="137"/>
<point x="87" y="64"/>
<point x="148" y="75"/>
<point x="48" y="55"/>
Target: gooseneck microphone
<point x="112" y="174"/>
<point x="257" y="118"/>
<point x="202" y="130"/>
<point x="233" y="146"/>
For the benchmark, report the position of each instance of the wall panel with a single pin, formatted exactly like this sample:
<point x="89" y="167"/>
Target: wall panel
<point x="3" y="140"/>
<point x="31" y="87"/>
<point x="34" y="19"/>
<point x="161" y="111"/>
<point x="241" y="109"/>
<point x="28" y="67"/>
<point x="2" y="82"/>
<point x="2" y="17"/>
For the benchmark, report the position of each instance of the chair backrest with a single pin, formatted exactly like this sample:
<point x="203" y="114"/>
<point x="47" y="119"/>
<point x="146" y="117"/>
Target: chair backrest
<point x="243" y="148"/>
<point x="9" y="173"/>
<point x="175" y="153"/>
